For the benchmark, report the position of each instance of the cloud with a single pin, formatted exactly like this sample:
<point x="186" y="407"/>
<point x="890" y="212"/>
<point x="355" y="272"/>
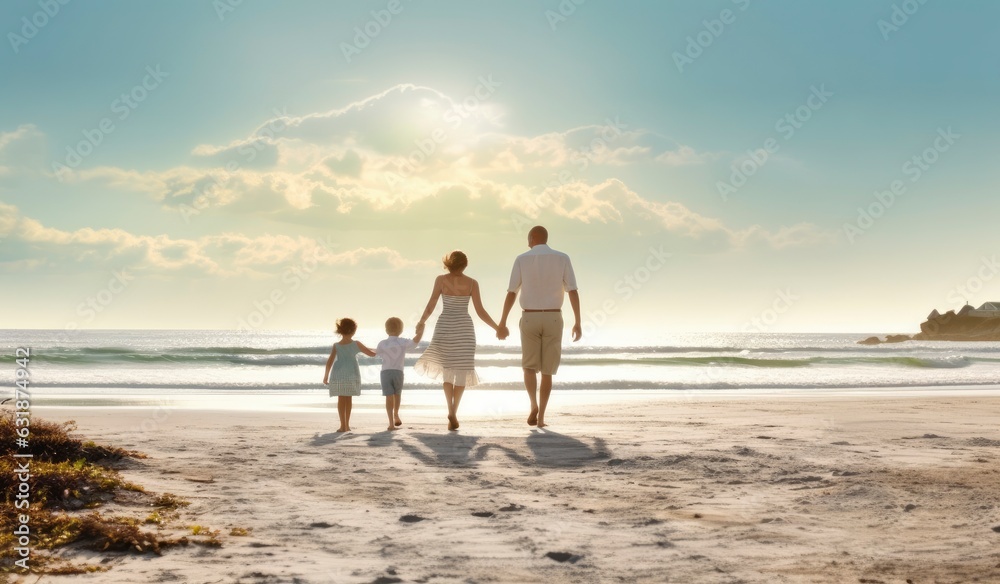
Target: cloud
<point x="22" y="150"/>
<point x="612" y="203"/>
<point x="685" y="156"/>
<point x="225" y="254"/>
<point x="8" y="219"/>
<point x="414" y="150"/>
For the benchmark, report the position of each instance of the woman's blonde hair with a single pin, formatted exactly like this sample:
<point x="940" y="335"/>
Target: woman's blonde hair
<point x="456" y="261"/>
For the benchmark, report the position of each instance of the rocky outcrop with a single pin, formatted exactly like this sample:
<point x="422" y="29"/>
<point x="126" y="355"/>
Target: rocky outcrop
<point x="888" y="339"/>
<point x="960" y="326"/>
<point x="950" y="326"/>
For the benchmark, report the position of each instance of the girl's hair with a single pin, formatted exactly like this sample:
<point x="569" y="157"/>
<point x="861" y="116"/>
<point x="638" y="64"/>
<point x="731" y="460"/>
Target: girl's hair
<point x="456" y="261"/>
<point x="346" y="326"/>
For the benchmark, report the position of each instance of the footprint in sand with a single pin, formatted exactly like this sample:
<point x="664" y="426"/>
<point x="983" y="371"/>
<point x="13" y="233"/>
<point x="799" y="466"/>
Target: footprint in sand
<point x="562" y="557"/>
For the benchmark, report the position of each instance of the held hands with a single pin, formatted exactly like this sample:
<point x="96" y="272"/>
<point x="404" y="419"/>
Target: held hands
<point x="502" y="332"/>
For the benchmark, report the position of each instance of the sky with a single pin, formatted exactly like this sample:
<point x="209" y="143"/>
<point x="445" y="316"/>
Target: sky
<point x="725" y="165"/>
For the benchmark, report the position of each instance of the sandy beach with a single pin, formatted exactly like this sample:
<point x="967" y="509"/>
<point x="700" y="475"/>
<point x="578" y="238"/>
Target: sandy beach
<point x="621" y="487"/>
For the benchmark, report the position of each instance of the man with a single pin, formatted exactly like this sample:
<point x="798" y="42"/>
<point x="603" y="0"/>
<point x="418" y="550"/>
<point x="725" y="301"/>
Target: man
<point x="542" y="274"/>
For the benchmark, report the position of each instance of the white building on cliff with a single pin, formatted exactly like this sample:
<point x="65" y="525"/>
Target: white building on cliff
<point x="987" y="310"/>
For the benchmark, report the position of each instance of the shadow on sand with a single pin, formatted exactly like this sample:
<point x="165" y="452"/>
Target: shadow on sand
<point x="444" y="449"/>
<point x="543" y="448"/>
<point x="330" y="438"/>
<point x="547" y="449"/>
<point x="558" y="450"/>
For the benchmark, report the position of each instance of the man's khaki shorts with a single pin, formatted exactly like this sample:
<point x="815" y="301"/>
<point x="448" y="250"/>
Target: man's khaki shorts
<point x="541" y="341"/>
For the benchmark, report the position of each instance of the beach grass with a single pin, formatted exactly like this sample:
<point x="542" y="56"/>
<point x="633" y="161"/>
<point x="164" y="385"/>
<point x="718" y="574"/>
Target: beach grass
<point x="69" y="480"/>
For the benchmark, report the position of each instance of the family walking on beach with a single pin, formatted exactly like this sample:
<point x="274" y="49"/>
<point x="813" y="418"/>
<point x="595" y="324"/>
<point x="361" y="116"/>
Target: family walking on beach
<point x="542" y="275"/>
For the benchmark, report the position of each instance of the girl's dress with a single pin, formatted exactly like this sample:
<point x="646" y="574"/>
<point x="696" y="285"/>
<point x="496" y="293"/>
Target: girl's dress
<point x="451" y="355"/>
<point x="345" y="377"/>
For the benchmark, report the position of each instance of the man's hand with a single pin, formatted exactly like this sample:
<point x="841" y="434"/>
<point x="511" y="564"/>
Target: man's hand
<point x="502" y="332"/>
<point x="574" y="301"/>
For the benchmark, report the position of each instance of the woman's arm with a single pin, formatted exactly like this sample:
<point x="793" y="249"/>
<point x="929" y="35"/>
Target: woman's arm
<point x="365" y="349"/>
<point x="477" y="302"/>
<point x="329" y="363"/>
<point x="435" y="294"/>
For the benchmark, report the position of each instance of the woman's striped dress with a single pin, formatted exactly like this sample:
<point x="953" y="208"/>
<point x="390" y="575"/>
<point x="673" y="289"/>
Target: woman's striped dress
<point x="451" y="355"/>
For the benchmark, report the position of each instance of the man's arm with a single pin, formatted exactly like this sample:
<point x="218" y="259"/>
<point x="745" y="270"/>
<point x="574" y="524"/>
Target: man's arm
<point x="574" y="301"/>
<point x="508" y="303"/>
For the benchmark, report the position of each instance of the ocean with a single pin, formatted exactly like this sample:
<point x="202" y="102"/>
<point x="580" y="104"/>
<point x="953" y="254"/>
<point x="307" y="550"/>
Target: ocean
<point x="155" y="362"/>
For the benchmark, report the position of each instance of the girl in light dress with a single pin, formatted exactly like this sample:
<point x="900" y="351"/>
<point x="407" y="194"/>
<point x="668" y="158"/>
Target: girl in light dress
<point x="346" y="380"/>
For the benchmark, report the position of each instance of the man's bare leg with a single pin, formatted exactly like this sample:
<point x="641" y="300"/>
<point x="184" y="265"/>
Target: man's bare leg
<point x="544" y="389"/>
<point x="531" y="384"/>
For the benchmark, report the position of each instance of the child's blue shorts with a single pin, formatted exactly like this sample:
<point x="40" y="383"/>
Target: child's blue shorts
<point x="392" y="382"/>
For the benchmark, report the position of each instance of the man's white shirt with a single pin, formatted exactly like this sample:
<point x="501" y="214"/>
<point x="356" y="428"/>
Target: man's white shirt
<point x="543" y="275"/>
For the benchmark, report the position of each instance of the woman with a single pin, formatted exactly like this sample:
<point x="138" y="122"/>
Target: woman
<point x="451" y="355"/>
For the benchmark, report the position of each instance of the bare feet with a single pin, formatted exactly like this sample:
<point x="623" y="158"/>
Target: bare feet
<point x="541" y="423"/>
<point x="399" y="422"/>
<point x="391" y="428"/>
<point x="343" y="429"/>
<point x="533" y="417"/>
<point x="452" y="423"/>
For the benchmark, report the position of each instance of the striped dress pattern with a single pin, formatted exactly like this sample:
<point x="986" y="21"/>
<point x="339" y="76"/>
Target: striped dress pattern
<point x="451" y="355"/>
<point x="345" y="376"/>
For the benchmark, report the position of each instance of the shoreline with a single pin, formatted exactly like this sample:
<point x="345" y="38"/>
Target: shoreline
<point x="313" y="400"/>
